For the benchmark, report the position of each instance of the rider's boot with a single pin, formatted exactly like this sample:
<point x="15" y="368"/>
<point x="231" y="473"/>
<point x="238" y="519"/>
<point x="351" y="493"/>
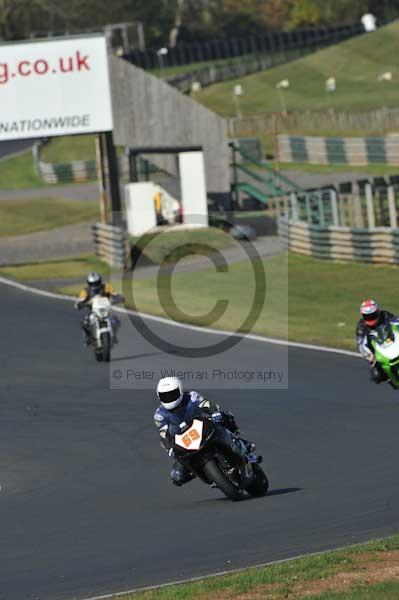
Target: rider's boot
<point x="86" y="338"/>
<point x="250" y="446"/>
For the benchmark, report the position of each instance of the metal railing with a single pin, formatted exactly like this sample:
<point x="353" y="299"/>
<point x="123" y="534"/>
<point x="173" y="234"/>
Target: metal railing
<point x="229" y="48"/>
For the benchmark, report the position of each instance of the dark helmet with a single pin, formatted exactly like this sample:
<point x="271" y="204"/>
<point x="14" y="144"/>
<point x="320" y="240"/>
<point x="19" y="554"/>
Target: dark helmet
<point x="95" y="282"/>
<point x="370" y="312"/>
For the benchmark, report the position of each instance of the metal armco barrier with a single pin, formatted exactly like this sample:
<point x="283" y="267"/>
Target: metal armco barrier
<point x="377" y="245"/>
<point x="111" y="244"/>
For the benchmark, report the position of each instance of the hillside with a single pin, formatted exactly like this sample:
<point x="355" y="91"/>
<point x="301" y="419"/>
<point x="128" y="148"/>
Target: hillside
<point x="356" y="65"/>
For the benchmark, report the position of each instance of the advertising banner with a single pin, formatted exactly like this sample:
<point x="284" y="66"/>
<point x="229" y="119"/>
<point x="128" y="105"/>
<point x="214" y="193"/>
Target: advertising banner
<point x="54" y="87"/>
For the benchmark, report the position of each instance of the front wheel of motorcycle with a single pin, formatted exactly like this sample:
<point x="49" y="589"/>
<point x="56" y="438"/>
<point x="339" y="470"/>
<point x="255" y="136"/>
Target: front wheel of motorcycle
<point x="106" y="344"/>
<point x="215" y="474"/>
<point x="260" y="483"/>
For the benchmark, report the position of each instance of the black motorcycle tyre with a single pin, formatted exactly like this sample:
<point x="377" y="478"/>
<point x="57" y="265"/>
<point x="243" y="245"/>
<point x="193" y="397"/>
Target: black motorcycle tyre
<point x="215" y="474"/>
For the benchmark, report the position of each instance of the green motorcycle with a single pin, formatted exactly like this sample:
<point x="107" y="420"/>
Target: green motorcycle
<point x="384" y="341"/>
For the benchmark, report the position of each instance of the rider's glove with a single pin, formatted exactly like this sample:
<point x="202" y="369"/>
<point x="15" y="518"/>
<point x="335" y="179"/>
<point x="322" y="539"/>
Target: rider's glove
<point x="77" y="305"/>
<point x="171" y="453"/>
<point x="217" y="417"/>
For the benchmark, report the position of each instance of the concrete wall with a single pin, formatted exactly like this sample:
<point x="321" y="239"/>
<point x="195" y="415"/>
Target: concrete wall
<point x="149" y="112"/>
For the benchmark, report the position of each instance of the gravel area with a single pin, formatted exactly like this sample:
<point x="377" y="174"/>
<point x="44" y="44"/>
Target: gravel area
<point x="265" y="246"/>
<point x="81" y="191"/>
<point x="71" y="240"/>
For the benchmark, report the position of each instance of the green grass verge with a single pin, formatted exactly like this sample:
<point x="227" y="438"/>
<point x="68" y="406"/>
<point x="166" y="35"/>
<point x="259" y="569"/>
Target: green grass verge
<point x="389" y="590"/>
<point x="195" y="295"/>
<point x="356" y="65"/>
<point x="171" y="246"/>
<point x="57" y="269"/>
<point x="325" y="294"/>
<point x="296" y="579"/>
<point x="69" y="148"/>
<point x="18" y="217"/>
<point x="19" y="173"/>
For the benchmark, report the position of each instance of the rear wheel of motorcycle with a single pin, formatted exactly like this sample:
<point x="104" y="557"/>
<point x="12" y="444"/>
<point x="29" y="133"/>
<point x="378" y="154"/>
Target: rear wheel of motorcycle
<point x="106" y="344"/>
<point x="260" y="483"/>
<point x="215" y="474"/>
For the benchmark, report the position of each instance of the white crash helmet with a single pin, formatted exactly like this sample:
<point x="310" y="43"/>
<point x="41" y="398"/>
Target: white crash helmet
<point x="170" y="392"/>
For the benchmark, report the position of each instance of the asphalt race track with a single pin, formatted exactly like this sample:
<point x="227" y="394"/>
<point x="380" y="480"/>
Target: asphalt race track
<point x="86" y="505"/>
<point x="14" y="147"/>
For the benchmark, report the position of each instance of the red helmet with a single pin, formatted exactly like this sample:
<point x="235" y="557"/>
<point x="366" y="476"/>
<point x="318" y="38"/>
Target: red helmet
<point x="370" y="312"/>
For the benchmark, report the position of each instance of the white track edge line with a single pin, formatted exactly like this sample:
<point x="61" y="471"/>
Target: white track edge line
<point x="250" y="336"/>
<point x="230" y="571"/>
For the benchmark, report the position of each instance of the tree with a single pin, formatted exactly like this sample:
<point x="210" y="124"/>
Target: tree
<point x="19" y="17"/>
<point x="304" y="12"/>
<point x="325" y="12"/>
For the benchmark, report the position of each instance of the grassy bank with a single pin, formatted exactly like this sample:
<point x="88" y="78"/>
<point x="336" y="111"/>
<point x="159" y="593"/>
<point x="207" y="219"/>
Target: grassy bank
<point x="322" y="305"/>
<point x="70" y="148"/>
<point x="356" y="65"/>
<point x="19" y="172"/>
<point x="57" y="269"/>
<point x="171" y="246"/>
<point x="363" y="572"/>
<point x="194" y="295"/>
<point x="18" y="217"/>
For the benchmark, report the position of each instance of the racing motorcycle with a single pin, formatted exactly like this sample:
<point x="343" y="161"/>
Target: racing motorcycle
<point x="385" y="344"/>
<point x="217" y="457"/>
<point x="101" y="327"/>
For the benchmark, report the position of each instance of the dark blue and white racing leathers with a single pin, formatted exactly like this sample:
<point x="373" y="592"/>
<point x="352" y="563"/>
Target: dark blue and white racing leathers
<point x="192" y="404"/>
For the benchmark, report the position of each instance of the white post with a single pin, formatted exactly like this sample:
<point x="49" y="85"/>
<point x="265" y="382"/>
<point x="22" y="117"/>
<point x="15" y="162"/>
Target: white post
<point x="193" y="188"/>
<point x="370" y="206"/>
<point x="334" y="207"/>
<point x="322" y="220"/>
<point x="392" y="207"/>
<point x="140" y="209"/>
<point x="294" y="207"/>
